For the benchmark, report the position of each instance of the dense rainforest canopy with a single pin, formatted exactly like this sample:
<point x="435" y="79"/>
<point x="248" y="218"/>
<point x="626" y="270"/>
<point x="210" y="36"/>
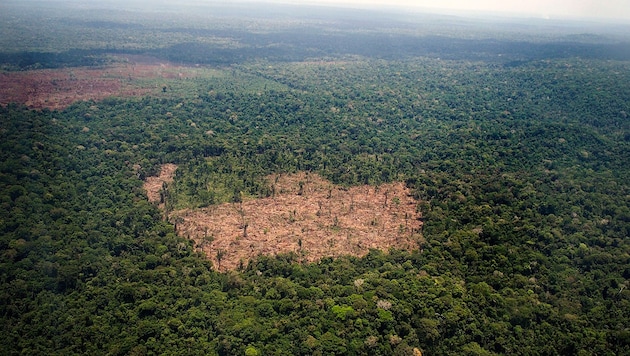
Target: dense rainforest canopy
<point x="516" y="147"/>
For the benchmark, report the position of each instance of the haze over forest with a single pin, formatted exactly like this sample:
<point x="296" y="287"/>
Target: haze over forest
<point x="274" y="178"/>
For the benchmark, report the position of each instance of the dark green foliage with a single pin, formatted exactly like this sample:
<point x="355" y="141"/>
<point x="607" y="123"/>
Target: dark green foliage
<point x="520" y="173"/>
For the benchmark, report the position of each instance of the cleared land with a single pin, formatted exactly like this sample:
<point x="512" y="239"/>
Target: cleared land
<point x="58" y="88"/>
<point x="307" y="215"/>
<point x="153" y="185"/>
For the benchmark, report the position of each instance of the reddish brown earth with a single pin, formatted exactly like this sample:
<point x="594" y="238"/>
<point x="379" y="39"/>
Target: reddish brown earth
<point x="307" y="215"/>
<point x="153" y="185"/>
<point x="58" y="88"/>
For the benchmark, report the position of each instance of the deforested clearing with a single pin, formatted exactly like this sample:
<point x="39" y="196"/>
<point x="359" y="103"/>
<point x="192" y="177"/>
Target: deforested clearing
<point x="307" y="216"/>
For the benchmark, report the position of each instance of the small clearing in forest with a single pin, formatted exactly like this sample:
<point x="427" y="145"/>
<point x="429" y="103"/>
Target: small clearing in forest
<point x="306" y="215"/>
<point x="153" y="185"/>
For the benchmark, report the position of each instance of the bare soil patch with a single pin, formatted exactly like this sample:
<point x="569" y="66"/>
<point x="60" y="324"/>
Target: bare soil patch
<point x="307" y="215"/>
<point x="153" y="185"/>
<point x="58" y="88"/>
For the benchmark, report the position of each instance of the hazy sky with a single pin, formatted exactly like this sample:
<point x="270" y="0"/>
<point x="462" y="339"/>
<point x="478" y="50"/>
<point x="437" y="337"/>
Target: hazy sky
<point x="612" y="9"/>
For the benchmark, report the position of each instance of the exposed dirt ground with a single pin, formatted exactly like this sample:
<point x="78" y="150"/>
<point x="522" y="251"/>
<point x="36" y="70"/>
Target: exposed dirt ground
<point x="58" y="88"/>
<point x="153" y="185"/>
<point x="307" y="215"/>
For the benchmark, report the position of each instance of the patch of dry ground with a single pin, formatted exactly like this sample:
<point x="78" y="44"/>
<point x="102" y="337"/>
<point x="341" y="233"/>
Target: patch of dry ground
<point x="58" y="88"/>
<point x="306" y="215"/>
<point x="153" y="185"/>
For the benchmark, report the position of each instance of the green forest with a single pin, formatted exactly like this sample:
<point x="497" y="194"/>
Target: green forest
<point x="519" y="164"/>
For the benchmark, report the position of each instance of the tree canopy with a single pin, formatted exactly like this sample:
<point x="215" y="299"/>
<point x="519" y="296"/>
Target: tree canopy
<point x="519" y="170"/>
